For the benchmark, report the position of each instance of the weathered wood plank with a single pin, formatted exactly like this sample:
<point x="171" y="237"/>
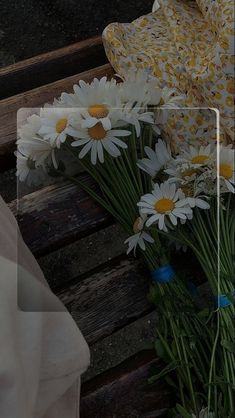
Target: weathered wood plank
<point x="62" y="213"/>
<point x="36" y="98"/>
<point x="109" y="299"/>
<point x="51" y="66"/>
<point x="58" y="215"/>
<point x="124" y="392"/>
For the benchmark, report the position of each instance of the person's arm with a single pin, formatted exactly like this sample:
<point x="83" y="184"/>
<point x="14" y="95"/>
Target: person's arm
<point x="42" y="352"/>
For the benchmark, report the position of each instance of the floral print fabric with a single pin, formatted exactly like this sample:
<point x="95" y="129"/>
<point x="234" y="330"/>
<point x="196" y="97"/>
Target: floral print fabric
<point x="188" y="45"/>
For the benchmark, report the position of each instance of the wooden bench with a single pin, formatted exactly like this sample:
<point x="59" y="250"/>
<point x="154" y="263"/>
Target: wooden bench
<point x="110" y="296"/>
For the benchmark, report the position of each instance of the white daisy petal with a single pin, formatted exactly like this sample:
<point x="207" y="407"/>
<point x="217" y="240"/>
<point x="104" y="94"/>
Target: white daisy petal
<point x="100" y="151"/>
<point x="173" y="219"/>
<point x="161" y="222"/>
<point x="120" y="132"/>
<point x="147" y="237"/>
<point x="141" y="244"/>
<point x="79" y="142"/>
<point x="111" y="149"/>
<point x="85" y="149"/>
<point x="106" y="124"/>
<point x="89" y="123"/>
<point x="119" y="143"/>
<point x="152" y="220"/>
<point x="94" y="152"/>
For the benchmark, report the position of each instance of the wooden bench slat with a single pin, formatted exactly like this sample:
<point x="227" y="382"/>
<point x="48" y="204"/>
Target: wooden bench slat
<point x="36" y="98"/>
<point x="58" y="215"/>
<point x="63" y="213"/>
<point x="51" y="66"/>
<point x="109" y="299"/>
<point x="124" y="391"/>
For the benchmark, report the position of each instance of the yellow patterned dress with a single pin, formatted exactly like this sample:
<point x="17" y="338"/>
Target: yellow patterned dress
<point x="188" y="45"/>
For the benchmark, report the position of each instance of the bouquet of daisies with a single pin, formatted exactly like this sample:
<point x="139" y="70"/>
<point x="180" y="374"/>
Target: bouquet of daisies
<point x="107" y="128"/>
<point x="204" y="176"/>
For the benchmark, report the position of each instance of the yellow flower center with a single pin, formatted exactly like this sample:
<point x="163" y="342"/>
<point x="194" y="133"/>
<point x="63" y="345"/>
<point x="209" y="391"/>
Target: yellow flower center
<point x="98" y="111"/>
<point x="199" y="159"/>
<point x="61" y="125"/>
<point x="137" y="226"/>
<point x="226" y="171"/>
<point x="97" y="132"/>
<point x="164" y="205"/>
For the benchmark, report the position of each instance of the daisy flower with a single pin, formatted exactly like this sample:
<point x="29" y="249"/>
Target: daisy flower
<point x="29" y="130"/>
<point x="135" y="115"/>
<point x="40" y="151"/>
<point x="206" y="182"/>
<point x="96" y="139"/>
<point x="27" y="171"/>
<point x="30" y="144"/>
<point x="55" y="123"/>
<point x="156" y="159"/>
<point x="139" y="88"/>
<point x="136" y="92"/>
<point x="182" y="174"/>
<point x="96" y="102"/>
<point x="196" y="156"/>
<point x="225" y="171"/>
<point x="164" y="203"/>
<point x="139" y="235"/>
<point x="187" y="176"/>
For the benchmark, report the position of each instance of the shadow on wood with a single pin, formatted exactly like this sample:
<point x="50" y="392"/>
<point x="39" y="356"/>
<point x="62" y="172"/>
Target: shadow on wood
<point x="124" y="391"/>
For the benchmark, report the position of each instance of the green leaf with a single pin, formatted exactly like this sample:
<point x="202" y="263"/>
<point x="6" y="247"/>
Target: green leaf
<point x="183" y="412"/>
<point x="228" y="345"/>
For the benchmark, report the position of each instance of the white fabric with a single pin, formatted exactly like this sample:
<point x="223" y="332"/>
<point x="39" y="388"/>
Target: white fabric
<point x="42" y="352"/>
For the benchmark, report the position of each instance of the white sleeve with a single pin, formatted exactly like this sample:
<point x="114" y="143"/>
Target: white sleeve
<point x="42" y="351"/>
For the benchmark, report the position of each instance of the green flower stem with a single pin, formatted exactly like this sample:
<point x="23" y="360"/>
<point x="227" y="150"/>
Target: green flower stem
<point x="121" y="183"/>
<point x="133" y="148"/>
<point x="191" y="388"/>
<point x="212" y="363"/>
<point x="209" y="242"/>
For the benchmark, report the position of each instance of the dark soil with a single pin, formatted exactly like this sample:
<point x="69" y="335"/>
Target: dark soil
<point x="31" y="27"/>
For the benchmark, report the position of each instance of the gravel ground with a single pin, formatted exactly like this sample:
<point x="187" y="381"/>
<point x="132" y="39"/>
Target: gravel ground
<point x="30" y="27"/>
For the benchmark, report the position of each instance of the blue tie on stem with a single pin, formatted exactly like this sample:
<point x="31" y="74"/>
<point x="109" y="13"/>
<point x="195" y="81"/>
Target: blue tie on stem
<point x="163" y="274"/>
<point x="222" y="301"/>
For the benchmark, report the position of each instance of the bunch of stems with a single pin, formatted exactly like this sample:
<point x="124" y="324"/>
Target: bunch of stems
<point x="183" y="336"/>
<point x="211" y="237"/>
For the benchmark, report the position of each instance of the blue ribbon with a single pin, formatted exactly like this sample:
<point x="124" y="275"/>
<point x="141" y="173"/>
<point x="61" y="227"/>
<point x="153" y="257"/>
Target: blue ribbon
<point x="222" y="301"/>
<point x="163" y="274"/>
